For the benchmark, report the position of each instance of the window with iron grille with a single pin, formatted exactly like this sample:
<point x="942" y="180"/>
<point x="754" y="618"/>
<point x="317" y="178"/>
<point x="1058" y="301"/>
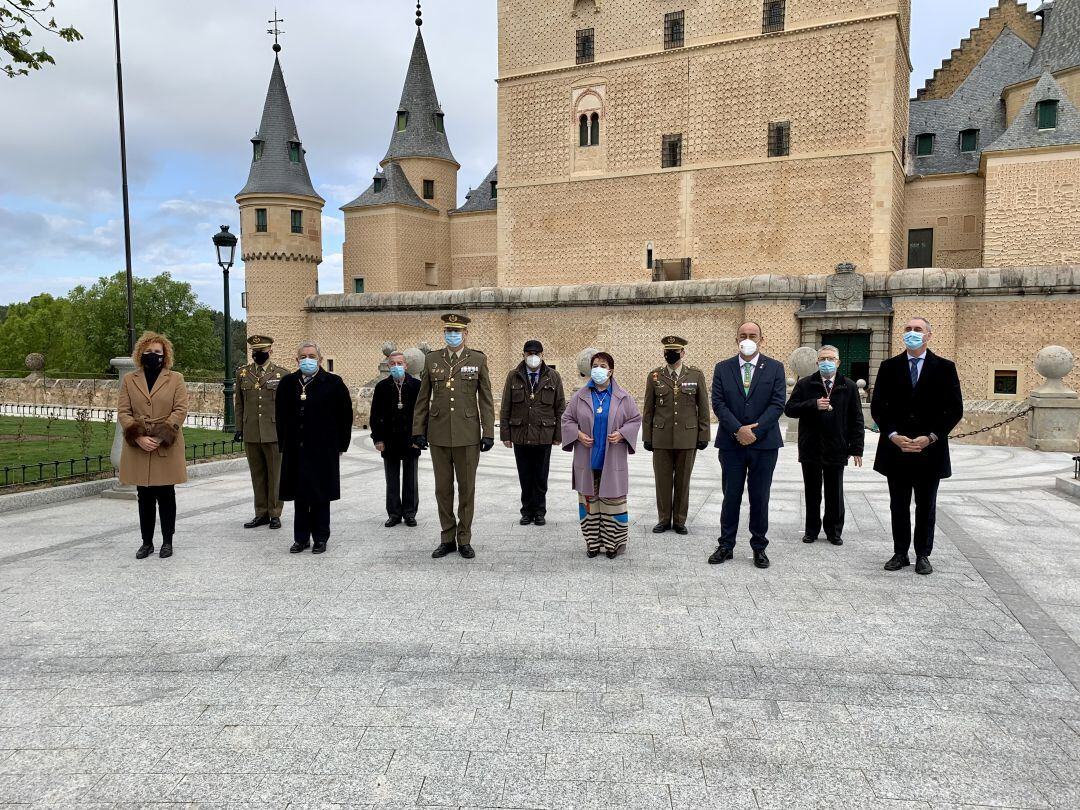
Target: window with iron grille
<point x="780" y="139"/>
<point x="772" y="16"/>
<point x="297" y="221"/>
<point x="969" y="140"/>
<point x="671" y="151"/>
<point x="674" y="24"/>
<point x="924" y="144"/>
<point x="1047" y="113"/>
<point x="260" y="220"/>
<point x="429" y="189"/>
<point x="585" y="44"/>
<point x="1005" y="382"/>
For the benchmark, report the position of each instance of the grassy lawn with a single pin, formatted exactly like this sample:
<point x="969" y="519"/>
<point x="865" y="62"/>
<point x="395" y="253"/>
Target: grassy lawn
<point x="30" y="441"/>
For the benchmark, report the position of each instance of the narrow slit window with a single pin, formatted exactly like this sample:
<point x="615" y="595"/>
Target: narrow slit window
<point x="674" y="26"/>
<point x="780" y="139"/>
<point x="671" y="151"/>
<point x="586" y="43"/>
<point x="583" y="130"/>
<point x="260" y="220"/>
<point x="772" y="16"/>
<point x="440" y="123"/>
<point x="257" y="150"/>
<point x="294" y="151"/>
<point x="924" y="144"/>
<point x="402" y="120"/>
<point x="494" y="189"/>
<point x="969" y="140"/>
<point x="1047" y="113"/>
<point x="594" y="129"/>
<point x="296" y="218"/>
<point x="429" y="189"/>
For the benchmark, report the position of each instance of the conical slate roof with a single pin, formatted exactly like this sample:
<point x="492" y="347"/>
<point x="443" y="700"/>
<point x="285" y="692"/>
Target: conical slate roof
<point x="1059" y="47"/>
<point x="421" y="136"/>
<point x="395" y="191"/>
<point x="274" y="172"/>
<point x="480" y="198"/>
<point x="1025" y="133"/>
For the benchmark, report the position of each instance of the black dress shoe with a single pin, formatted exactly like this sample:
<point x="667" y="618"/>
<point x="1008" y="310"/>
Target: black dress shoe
<point x="392" y="521"/>
<point x="443" y="549"/>
<point x="466" y="551"/>
<point x="923" y="566"/>
<point x="258" y="520"/>
<point x="166" y="549"/>
<point x="275" y="523"/>
<point x="145" y="550"/>
<point x="809" y="538"/>
<point x="526" y="520"/>
<point x="661" y="527"/>
<point x="611" y="555"/>
<point x="896" y="562"/>
<point x="720" y="555"/>
<point x="680" y="529"/>
<point x="297" y="547"/>
<point x="836" y="541"/>
<point x="410" y="521"/>
<point x="318" y="547"/>
<point x="539" y="520"/>
<point x="592" y="552"/>
<point x="761" y="559"/>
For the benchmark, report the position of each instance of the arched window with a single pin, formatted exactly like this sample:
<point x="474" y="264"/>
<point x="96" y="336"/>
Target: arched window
<point x="583" y="130"/>
<point x="594" y="134"/>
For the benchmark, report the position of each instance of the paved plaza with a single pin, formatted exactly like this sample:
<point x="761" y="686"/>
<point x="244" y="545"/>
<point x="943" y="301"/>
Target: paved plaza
<point x="236" y="674"/>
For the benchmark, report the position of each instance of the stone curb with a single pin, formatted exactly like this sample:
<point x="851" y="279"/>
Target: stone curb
<point x="87" y="489"/>
<point x="1067" y="485"/>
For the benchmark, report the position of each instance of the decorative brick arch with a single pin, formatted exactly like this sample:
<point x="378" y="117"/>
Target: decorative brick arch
<point x="579" y="7"/>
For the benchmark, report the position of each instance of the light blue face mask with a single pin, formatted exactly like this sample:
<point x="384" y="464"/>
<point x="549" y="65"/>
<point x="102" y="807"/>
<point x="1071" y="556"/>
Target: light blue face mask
<point x="309" y="365"/>
<point x="827" y="367"/>
<point x="600" y="375"/>
<point x="913" y="340"/>
<point x="453" y="339"/>
<point x="397" y="372"/>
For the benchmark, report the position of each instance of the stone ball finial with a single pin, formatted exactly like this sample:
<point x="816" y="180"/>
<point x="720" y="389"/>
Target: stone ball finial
<point x="1053" y="363"/>
<point x="584" y="360"/>
<point x="804" y="361"/>
<point x="414" y="361"/>
<point x="35" y="362"/>
<point x="388" y="349"/>
<point x="424" y="346"/>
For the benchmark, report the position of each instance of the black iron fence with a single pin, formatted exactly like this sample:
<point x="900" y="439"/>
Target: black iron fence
<point x="60" y="470"/>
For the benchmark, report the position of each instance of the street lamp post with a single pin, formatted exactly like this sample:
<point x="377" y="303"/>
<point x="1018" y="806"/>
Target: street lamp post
<point x="225" y="243"/>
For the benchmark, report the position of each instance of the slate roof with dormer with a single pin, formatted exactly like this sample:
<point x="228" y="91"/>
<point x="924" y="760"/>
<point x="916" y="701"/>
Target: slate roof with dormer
<point x="274" y="172"/>
<point x="1059" y="46"/>
<point x="421" y="137"/>
<point x="976" y="104"/>
<point x="1024" y="133"/>
<point x="480" y="199"/>
<point x="395" y="191"/>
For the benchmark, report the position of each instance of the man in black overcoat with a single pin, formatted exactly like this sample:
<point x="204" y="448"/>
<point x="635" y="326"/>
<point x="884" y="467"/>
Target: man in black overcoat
<point x="314" y="416"/>
<point x="916" y="402"/>
<point x="829" y="410"/>
<point x="392" y="406"/>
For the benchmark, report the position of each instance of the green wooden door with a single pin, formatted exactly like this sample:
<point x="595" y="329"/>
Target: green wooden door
<point x="854" y="353"/>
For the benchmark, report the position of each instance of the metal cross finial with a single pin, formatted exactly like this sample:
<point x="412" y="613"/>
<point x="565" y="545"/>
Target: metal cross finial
<point x="419" y="14"/>
<point x="275" y="30"/>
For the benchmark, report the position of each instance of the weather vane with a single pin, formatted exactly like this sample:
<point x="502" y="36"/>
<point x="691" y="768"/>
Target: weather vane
<point x="275" y="30"/>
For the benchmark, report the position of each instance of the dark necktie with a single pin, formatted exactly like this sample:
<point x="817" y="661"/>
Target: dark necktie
<point x="828" y="387"/>
<point x="534" y="379"/>
<point x="915" y="370"/>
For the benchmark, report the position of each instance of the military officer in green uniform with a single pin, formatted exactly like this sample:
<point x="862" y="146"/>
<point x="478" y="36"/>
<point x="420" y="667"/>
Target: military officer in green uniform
<point x="455" y="417"/>
<point x="675" y="425"/>
<point x="254" y="401"/>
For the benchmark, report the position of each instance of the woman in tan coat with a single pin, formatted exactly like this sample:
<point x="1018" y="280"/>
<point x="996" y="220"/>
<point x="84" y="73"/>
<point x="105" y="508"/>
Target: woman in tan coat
<point x="151" y="411"/>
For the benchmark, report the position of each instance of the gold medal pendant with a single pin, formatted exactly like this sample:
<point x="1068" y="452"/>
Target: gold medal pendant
<point x="303" y="396"/>
<point x="400" y="406"/>
<point x="449" y="382"/>
<point x="532" y="396"/>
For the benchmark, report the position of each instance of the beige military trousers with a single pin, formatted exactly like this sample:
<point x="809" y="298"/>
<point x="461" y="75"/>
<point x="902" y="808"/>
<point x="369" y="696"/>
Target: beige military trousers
<point x="458" y="463"/>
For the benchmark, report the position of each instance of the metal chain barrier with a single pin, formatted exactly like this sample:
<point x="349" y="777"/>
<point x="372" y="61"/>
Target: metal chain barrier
<point x="988" y="428"/>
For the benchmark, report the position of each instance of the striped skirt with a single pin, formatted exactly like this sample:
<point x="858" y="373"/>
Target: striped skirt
<point x="604" y="522"/>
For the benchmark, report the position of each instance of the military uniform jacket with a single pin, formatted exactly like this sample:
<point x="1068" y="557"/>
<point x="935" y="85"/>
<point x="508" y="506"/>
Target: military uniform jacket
<point x="455" y="407"/>
<point x="676" y="415"/>
<point x="528" y="416"/>
<point x="255" y="399"/>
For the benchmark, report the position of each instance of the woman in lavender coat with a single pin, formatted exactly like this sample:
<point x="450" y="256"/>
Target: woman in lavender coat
<point x="600" y="426"/>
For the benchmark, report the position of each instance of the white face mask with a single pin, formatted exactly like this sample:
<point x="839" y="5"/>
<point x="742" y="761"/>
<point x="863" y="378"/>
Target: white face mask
<point x="533" y="361"/>
<point x="748" y="348"/>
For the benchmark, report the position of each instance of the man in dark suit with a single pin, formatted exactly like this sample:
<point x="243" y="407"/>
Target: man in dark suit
<point x="829" y="409"/>
<point x="748" y="393"/>
<point x="916" y="402"/>
<point x="392" y="405"/>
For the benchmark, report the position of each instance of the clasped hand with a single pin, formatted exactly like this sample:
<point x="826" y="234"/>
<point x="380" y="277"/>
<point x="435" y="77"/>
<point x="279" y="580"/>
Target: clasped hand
<point x="613" y="438"/>
<point x="148" y="443"/>
<point x="746" y="436"/>
<point x="906" y="445"/>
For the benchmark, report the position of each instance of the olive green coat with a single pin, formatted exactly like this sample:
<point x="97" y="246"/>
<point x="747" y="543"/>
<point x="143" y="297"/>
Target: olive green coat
<point x="255" y="399"/>
<point x="676" y="413"/>
<point x="454" y="407"/>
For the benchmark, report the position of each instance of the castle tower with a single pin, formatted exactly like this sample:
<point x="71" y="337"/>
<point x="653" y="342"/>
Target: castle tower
<point x="397" y="233"/>
<point x="280" y="222"/>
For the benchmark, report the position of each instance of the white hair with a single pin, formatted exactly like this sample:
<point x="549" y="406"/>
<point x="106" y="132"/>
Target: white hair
<point x="309" y="344"/>
<point x="828" y="348"/>
<point x="929" y="328"/>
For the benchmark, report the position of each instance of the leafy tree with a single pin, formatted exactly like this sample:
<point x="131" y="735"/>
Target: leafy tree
<point x="3" y="313"/>
<point x="16" y="33"/>
<point x="238" y="336"/>
<point x="42" y="324"/>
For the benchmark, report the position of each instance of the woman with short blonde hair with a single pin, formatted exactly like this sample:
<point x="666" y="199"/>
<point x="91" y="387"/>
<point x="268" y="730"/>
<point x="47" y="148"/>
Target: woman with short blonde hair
<point x="151" y="410"/>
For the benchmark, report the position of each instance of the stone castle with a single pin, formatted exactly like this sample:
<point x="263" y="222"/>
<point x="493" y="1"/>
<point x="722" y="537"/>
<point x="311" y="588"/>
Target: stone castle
<point x="686" y="165"/>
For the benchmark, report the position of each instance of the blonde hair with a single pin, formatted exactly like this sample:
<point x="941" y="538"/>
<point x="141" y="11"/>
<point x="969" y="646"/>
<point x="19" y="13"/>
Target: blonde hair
<point x="143" y="343"/>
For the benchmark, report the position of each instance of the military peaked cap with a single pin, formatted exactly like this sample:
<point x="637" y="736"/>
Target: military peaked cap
<point x="260" y="342"/>
<point x="451" y="320"/>
<point x="674" y="342"/>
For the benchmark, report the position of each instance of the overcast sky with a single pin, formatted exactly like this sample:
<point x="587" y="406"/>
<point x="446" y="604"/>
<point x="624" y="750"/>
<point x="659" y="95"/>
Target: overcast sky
<point x="195" y="76"/>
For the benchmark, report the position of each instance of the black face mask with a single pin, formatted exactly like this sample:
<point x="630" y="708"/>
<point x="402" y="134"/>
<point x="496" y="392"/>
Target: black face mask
<point x="672" y="356"/>
<point x="152" y="361"/>
<point x="260" y="357"/>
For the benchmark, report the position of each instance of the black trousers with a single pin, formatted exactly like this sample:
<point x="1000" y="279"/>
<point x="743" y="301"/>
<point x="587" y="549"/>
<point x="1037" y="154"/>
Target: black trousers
<point x="901" y="488"/>
<point x="151" y="501"/>
<point x="311" y="520"/>
<point x="743" y="469"/>
<point x="829" y="477"/>
<point x="533" y="463"/>
<point x="402" y="496"/>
